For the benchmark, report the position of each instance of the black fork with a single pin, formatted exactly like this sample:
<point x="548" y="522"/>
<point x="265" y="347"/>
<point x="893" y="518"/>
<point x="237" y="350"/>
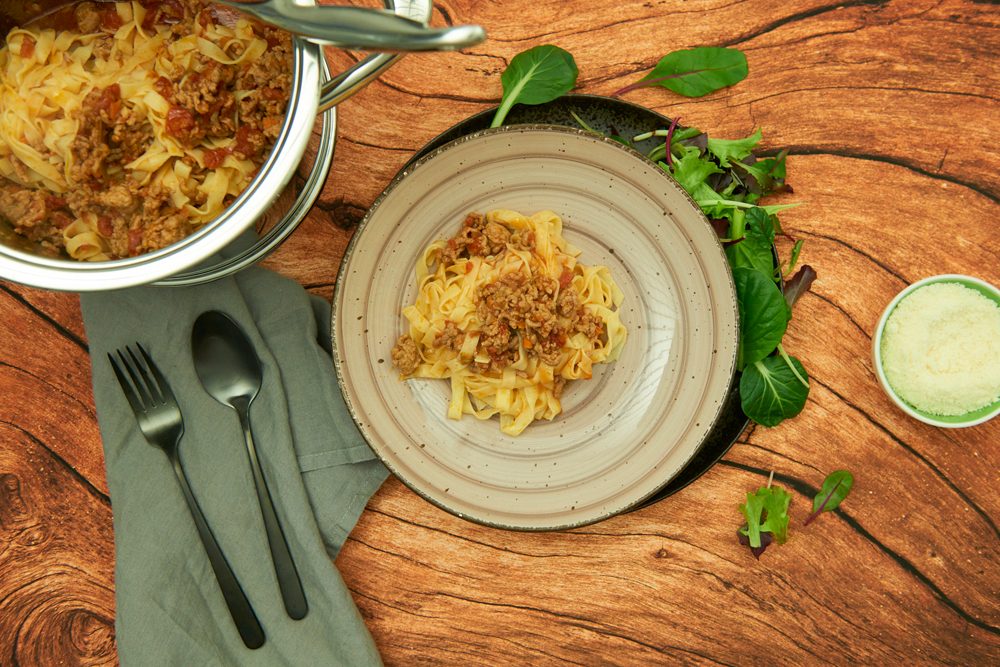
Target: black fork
<point x="161" y="423"/>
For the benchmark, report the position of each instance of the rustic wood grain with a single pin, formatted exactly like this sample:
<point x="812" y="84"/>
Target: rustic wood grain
<point x="889" y="110"/>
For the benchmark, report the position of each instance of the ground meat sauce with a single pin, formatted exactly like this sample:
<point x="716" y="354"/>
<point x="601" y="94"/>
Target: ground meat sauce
<point x="539" y="313"/>
<point x="131" y="218"/>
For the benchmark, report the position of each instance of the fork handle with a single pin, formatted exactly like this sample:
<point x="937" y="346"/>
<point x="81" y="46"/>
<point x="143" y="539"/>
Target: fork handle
<point x="239" y="607"/>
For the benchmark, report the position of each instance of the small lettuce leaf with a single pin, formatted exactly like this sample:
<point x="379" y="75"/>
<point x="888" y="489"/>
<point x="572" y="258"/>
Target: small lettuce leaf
<point x="728" y="151"/>
<point x="766" y="513"/>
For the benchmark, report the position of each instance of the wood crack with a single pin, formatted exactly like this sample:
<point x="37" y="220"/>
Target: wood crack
<point x="71" y="397"/>
<point x="908" y="567"/>
<point x="801" y="16"/>
<point x="919" y="457"/>
<point x="63" y="331"/>
<point x="471" y="541"/>
<point x="805" y="150"/>
<point x="94" y="491"/>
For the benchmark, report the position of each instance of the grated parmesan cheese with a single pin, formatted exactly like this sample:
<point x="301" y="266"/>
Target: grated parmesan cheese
<point x="941" y="349"/>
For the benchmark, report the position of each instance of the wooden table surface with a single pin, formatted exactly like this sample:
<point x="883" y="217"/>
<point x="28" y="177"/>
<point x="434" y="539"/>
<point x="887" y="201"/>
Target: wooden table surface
<point x="890" y="112"/>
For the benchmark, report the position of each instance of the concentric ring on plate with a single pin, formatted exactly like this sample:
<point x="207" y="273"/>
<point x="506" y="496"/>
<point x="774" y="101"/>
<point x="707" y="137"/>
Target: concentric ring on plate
<point x="623" y="434"/>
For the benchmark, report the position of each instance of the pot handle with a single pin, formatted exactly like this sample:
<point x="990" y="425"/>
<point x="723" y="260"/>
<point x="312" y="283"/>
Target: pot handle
<point x="345" y="84"/>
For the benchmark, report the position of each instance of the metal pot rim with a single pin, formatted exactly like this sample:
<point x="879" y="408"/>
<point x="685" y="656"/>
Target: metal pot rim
<point x="67" y="275"/>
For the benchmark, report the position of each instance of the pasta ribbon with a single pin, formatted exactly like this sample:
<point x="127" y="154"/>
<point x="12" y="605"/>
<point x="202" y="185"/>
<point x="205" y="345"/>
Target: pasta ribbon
<point x="46" y="77"/>
<point x="556" y="318"/>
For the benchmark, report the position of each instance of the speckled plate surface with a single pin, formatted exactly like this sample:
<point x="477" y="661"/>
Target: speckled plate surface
<point x="615" y="116"/>
<point x="624" y="434"/>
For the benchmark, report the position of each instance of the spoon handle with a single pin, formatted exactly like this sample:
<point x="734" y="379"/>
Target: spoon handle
<point x="239" y="607"/>
<point x="284" y="567"/>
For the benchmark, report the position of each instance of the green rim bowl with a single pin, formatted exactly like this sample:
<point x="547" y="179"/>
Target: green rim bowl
<point x="972" y="418"/>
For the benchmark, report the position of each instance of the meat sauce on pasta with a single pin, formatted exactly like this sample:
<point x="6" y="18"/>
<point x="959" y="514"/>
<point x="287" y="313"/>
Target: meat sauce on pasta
<point x="505" y="311"/>
<point x="125" y="127"/>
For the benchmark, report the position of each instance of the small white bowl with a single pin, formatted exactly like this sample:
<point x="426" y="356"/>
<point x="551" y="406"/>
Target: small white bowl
<point x="972" y="418"/>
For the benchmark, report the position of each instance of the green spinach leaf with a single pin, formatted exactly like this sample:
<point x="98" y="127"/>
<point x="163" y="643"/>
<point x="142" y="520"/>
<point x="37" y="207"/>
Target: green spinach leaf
<point x="536" y="76"/>
<point x="696" y="72"/>
<point x="763" y="316"/>
<point x="753" y="251"/>
<point x="770" y="392"/>
<point x="760" y="226"/>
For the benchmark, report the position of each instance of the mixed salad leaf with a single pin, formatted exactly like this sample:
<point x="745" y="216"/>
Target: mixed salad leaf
<point x="727" y="180"/>
<point x="766" y="511"/>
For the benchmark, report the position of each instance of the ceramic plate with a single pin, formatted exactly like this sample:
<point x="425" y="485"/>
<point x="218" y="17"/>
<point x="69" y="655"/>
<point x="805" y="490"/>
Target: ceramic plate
<point x="624" y="434"/>
<point x="610" y="115"/>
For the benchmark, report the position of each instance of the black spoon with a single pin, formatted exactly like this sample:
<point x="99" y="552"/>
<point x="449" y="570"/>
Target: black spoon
<point x="230" y="371"/>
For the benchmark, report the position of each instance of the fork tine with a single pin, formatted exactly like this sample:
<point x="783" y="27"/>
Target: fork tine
<point x="161" y="382"/>
<point x="149" y="386"/>
<point x="133" y="400"/>
<point x="139" y="387"/>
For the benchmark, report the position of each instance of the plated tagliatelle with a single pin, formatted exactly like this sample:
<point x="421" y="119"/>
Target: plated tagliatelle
<point x="126" y="126"/>
<point x="508" y="315"/>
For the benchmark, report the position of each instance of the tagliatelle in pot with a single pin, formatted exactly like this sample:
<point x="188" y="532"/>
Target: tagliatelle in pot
<point x="135" y="126"/>
<point x="505" y="311"/>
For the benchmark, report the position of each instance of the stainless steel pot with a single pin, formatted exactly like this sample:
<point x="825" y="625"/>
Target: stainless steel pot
<point x="186" y="262"/>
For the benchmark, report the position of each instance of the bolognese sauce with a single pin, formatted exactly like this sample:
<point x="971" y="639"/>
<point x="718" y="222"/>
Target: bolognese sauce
<point x="176" y="113"/>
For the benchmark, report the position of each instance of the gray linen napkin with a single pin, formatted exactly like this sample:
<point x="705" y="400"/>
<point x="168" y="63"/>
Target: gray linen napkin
<point x="169" y="609"/>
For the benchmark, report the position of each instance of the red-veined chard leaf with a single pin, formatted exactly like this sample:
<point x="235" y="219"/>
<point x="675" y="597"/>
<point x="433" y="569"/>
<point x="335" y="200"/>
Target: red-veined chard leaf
<point x="835" y="488"/>
<point x="799" y="284"/>
<point x="765" y="541"/>
<point x="696" y="72"/>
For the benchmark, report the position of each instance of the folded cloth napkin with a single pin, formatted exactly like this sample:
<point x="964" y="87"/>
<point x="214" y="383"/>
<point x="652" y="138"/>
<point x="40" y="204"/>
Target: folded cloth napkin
<point x="169" y="608"/>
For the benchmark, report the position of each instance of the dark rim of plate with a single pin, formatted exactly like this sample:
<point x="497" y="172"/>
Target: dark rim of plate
<point x="617" y="117"/>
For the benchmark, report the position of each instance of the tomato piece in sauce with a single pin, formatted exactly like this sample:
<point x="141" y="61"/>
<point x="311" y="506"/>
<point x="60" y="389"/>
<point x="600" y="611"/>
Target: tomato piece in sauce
<point x="214" y="158"/>
<point x="134" y="241"/>
<point x="565" y="278"/>
<point x="152" y="9"/>
<point x="247" y="141"/>
<point x="61" y="220"/>
<point x="111" y="20"/>
<point x="110" y="100"/>
<point x="104" y="226"/>
<point x="179" y="121"/>
<point x="54" y="202"/>
<point x="164" y="87"/>
<point x="205" y="18"/>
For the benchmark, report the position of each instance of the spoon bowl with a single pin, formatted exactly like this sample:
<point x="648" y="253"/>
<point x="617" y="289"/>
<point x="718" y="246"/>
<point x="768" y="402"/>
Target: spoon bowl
<point x="230" y="371"/>
<point x="225" y="361"/>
